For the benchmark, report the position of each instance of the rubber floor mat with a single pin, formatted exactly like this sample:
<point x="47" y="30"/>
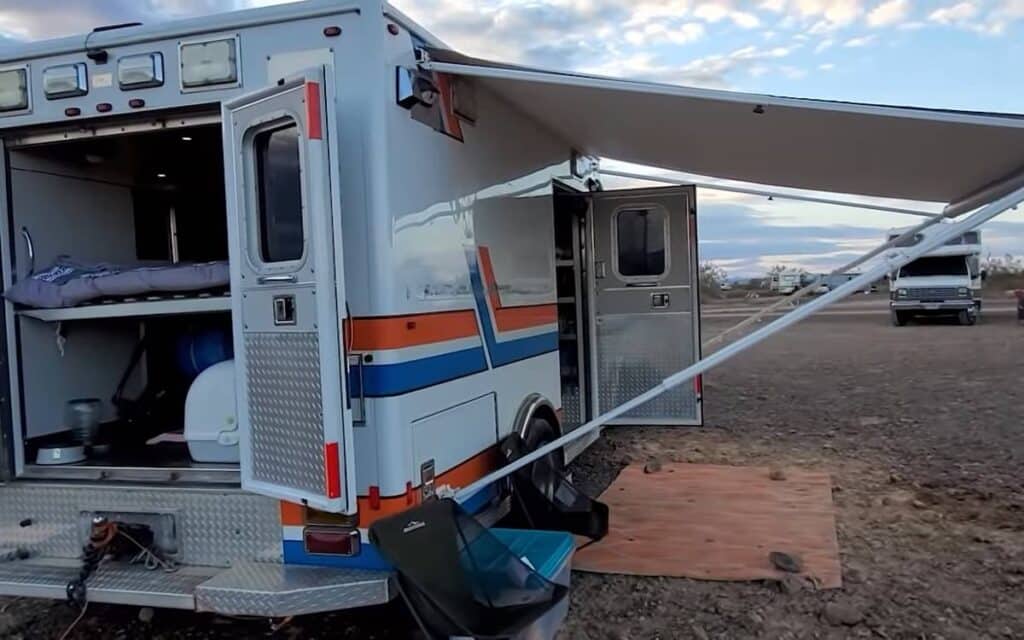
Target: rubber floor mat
<point x="716" y="522"/>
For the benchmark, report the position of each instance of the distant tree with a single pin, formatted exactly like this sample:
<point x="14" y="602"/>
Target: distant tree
<point x="712" y="277"/>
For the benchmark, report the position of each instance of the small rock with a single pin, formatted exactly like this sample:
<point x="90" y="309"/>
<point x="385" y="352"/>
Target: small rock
<point x="840" y="614"/>
<point x="871" y="421"/>
<point x="777" y="474"/>
<point x="652" y="466"/>
<point x="785" y="562"/>
<point x="699" y="633"/>
<point x="895" y="478"/>
<point x="146" y="615"/>
<point x="917" y="504"/>
<point x="7" y="624"/>
<point x="982" y="538"/>
<point x="792" y="584"/>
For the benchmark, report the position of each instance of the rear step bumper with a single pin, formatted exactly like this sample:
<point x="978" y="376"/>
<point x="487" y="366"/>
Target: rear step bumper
<point x="255" y="589"/>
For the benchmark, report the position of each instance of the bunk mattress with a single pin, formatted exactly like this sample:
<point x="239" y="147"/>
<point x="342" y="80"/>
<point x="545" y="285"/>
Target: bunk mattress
<point x="68" y="283"/>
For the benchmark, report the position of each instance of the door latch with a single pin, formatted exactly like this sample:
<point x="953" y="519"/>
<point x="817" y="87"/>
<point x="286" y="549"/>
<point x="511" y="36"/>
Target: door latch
<point x="660" y="301"/>
<point x="284" y="310"/>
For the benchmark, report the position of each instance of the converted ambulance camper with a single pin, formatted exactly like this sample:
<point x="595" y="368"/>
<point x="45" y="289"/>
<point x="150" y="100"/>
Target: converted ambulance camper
<point x="275" y="276"/>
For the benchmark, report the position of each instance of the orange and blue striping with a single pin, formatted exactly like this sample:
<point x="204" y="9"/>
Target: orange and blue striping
<point x="373" y="507"/>
<point x="467" y="341"/>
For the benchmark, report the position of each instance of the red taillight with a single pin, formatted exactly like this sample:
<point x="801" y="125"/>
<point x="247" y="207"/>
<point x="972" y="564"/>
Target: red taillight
<point x="329" y="541"/>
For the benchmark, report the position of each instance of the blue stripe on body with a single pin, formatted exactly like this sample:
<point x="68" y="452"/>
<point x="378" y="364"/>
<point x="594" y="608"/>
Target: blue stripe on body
<point x="403" y="377"/>
<point x="508" y="351"/>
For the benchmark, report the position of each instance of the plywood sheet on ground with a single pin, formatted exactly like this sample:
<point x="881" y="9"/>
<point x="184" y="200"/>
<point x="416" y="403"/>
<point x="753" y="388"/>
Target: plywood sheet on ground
<point x="716" y="523"/>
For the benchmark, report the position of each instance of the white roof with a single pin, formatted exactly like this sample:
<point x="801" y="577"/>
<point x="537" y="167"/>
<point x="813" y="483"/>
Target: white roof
<point x="893" y="152"/>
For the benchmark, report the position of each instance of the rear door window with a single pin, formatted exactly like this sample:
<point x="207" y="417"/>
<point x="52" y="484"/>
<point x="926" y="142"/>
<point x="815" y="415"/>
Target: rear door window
<point x="279" y="194"/>
<point x="640" y="243"/>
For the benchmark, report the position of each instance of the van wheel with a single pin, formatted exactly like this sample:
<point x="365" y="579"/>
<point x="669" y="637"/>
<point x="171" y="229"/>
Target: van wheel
<point x="899" y="318"/>
<point x="540" y="432"/>
<point x="966" y="319"/>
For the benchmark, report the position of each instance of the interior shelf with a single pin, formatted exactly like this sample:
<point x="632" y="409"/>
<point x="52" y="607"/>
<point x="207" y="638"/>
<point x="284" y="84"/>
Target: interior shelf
<point x="171" y="306"/>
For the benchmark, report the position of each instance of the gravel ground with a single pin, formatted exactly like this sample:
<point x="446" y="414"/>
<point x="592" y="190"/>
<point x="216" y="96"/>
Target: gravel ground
<point x="919" y="428"/>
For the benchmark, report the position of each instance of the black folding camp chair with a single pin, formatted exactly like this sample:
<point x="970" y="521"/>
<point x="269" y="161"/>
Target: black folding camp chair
<point x="555" y="506"/>
<point x="457" y="578"/>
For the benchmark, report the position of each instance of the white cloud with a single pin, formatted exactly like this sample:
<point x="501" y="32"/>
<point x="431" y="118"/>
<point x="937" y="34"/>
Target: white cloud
<point x="859" y="41"/>
<point x="954" y="14"/>
<point x="828" y="66"/>
<point x="889" y="13"/>
<point x="824" y="45"/>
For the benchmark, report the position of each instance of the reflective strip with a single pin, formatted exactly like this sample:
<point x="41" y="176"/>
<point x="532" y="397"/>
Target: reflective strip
<point x="333" y="471"/>
<point x="314" y="123"/>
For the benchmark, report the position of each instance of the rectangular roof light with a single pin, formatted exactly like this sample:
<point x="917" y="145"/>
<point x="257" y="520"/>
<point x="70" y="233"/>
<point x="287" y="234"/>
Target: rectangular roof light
<point x="13" y="90"/>
<point x="209" y="63"/>
<point x="65" y="81"/>
<point x="140" y="71"/>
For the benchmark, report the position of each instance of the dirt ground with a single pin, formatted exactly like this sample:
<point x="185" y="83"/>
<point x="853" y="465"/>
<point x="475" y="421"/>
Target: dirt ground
<point x="920" y="428"/>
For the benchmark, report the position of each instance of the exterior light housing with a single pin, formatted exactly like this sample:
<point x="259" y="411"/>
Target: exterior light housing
<point x="140" y="71"/>
<point x="13" y="90"/>
<point x="901" y="293"/>
<point x="963" y="292"/>
<point x="65" y="81"/>
<point x="214" y="62"/>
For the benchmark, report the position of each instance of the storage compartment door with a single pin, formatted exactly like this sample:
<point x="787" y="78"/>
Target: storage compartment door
<point x="288" y="294"/>
<point x="645" y="304"/>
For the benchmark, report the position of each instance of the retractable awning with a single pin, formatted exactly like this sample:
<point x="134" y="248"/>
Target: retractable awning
<point x="863" y="149"/>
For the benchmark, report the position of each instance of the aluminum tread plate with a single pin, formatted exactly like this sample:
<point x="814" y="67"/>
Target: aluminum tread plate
<point x="215" y="527"/>
<point x="111" y="584"/>
<point x="634" y="357"/>
<point x="263" y="589"/>
<point x="286" y="409"/>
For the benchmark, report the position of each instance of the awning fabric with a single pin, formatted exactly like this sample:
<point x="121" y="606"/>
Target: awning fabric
<point x="864" y="149"/>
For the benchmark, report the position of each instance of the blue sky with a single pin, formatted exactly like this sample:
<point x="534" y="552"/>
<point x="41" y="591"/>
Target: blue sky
<point x="944" y="53"/>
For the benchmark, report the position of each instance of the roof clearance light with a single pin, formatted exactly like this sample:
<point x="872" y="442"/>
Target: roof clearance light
<point x="65" y="81"/>
<point x="140" y="72"/>
<point x="13" y="90"/>
<point x="209" y="63"/>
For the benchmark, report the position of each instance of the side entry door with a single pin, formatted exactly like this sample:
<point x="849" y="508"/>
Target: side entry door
<point x="288" y="294"/>
<point x="645" y="320"/>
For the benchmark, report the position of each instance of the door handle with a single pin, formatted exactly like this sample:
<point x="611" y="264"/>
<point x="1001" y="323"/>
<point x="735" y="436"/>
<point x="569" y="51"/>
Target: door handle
<point x="660" y="301"/>
<point x="289" y="279"/>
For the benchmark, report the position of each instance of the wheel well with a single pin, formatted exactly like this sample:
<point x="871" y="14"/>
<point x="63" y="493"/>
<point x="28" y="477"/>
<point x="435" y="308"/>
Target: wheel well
<point x="536" y="406"/>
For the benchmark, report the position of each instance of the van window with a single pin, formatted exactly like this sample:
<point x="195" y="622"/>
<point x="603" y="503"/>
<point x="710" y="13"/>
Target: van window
<point x="640" y="242"/>
<point x="935" y="266"/>
<point x="279" y="190"/>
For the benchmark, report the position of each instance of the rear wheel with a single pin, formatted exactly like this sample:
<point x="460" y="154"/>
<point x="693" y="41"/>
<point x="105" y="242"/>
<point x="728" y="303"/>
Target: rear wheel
<point x="540" y="432"/>
<point x="899" y="318"/>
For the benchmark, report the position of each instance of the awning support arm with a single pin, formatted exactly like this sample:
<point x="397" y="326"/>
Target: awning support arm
<point x="906" y="235"/>
<point x="935" y="238"/>
<point x="768" y="193"/>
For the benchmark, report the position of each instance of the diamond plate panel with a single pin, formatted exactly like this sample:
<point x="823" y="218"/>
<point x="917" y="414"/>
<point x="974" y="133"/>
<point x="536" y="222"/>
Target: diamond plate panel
<point x="286" y="409"/>
<point x="254" y="588"/>
<point x="635" y="353"/>
<point x="571" y="409"/>
<point x="112" y="584"/>
<point x="215" y="527"/>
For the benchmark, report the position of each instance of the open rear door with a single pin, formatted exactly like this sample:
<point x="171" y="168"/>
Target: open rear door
<point x="288" y="292"/>
<point x="645" y="301"/>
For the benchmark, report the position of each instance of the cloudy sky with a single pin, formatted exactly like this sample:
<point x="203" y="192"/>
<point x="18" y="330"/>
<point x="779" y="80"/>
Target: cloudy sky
<point x="941" y="53"/>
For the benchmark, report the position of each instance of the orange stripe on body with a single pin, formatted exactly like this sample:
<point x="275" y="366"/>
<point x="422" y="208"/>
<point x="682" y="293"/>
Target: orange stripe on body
<point x="374" y="334"/>
<point x="512" y="318"/>
<point x="459" y="476"/>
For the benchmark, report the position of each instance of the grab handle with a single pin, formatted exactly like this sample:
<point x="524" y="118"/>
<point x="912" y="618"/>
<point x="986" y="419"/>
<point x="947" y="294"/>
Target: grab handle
<point x="289" y="279"/>
<point x="31" y="249"/>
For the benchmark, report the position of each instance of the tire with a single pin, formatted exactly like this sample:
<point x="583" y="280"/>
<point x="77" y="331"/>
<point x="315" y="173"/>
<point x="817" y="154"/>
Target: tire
<point x="540" y="432"/>
<point x="899" y="318"/>
<point x="966" y="318"/>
